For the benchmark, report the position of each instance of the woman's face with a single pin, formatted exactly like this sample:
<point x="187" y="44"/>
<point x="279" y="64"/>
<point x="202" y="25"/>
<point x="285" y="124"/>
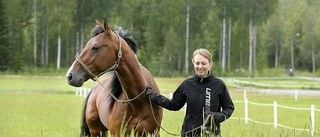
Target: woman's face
<point x="201" y="65"/>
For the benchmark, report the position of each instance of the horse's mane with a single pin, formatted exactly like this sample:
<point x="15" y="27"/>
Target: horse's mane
<point x="127" y="36"/>
<point x="115" y="85"/>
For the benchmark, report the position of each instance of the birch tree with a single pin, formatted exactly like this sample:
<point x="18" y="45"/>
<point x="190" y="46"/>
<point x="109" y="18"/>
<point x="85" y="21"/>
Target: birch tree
<point x="223" y="52"/>
<point x="259" y="11"/>
<point x="186" y="61"/>
<point x="44" y="32"/>
<point x="227" y="11"/>
<point x="273" y="40"/>
<point x="35" y="33"/>
<point x="59" y="37"/>
<point x="250" y="40"/>
<point x="47" y="39"/>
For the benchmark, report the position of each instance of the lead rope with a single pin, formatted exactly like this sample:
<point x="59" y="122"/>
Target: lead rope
<point x="173" y="134"/>
<point x="129" y="100"/>
<point x="124" y="101"/>
<point x="154" y="117"/>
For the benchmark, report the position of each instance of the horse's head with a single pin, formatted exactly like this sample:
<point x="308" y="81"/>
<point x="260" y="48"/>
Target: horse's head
<point x="101" y="54"/>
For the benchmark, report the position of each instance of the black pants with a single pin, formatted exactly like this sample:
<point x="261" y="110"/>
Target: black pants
<point x="194" y="133"/>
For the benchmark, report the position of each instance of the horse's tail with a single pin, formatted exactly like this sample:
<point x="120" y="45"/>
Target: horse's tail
<point x="84" y="126"/>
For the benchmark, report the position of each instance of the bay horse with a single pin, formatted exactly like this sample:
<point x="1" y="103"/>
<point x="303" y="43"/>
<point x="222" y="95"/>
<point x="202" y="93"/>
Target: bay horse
<point x="117" y="103"/>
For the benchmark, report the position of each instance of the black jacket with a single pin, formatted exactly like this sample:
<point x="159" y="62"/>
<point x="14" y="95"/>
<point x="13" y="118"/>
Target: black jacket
<point x="193" y="92"/>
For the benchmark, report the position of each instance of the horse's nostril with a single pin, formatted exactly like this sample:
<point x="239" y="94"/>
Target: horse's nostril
<point x="69" y="77"/>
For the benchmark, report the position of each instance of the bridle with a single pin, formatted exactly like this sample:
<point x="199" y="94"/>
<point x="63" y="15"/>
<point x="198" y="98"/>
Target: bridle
<point x="113" y="67"/>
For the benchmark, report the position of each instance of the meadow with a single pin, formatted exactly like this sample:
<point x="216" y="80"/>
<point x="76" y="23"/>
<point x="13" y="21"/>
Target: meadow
<point x="46" y="106"/>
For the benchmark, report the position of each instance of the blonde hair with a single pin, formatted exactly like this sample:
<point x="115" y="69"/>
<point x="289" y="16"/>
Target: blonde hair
<point x="203" y="52"/>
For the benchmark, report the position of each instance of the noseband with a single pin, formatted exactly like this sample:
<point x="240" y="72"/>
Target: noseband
<point x="113" y="67"/>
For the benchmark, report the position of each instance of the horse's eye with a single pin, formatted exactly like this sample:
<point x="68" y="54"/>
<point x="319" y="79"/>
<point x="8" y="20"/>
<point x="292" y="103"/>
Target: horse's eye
<point x="95" y="47"/>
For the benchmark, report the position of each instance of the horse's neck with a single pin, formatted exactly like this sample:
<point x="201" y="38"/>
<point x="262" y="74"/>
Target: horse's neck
<point x="130" y="75"/>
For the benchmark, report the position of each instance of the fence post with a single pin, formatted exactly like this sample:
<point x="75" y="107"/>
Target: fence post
<point x="80" y="89"/>
<point x="77" y="91"/>
<point x="312" y="120"/>
<point x="84" y="92"/>
<point x="246" y="110"/>
<point x="270" y="85"/>
<point x="295" y="94"/>
<point x="244" y="93"/>
<point x="275" y="113"/>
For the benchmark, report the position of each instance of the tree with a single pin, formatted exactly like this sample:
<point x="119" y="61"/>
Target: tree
<point x="309" y="37"/>
<point x="273" y="40"/>
<point x="227" y="11"/>
<point x="59" y="36"/>
<point x="163" y="27"/>
<point x="186" y="60"/>
<point x="4" y="41"/>
<point x="259" y="12"/>
<point x="35" y="33"/>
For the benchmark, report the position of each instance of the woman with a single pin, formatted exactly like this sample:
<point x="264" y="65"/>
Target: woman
<point x="207" y="97"/>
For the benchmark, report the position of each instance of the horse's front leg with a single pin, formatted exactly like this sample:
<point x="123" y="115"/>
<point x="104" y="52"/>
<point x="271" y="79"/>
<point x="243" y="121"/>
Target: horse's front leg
<point x="97" y="133"/>
<point x="96" y="128"/>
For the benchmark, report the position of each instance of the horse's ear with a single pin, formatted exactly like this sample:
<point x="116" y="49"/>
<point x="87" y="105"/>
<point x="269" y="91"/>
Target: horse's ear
<point x="98" y="23"/>
<point x="106" y="26"/>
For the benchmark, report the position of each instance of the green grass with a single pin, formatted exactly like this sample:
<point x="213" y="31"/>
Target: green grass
<point x="279" y="83"/>
<point x="33" y="84"/>
<point x="38" y="106"/>
<point x="40" y="115"/>
<point x="46" y="106"/>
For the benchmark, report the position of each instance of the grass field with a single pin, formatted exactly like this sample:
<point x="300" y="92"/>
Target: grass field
<point x="46" y="106"/>
<point x="279" y="83"/>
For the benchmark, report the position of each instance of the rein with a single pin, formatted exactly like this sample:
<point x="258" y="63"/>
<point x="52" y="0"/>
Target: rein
<point x="113" y="67"/>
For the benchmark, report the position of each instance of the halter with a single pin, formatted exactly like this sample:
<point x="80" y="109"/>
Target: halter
<point x="113" y="67"/>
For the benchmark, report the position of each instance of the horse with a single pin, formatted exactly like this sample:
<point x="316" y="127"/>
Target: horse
<point x="117" y="103"/>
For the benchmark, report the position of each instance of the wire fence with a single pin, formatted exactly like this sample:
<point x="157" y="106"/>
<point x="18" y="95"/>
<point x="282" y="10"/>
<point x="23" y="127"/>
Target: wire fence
<point x="275" y="122"/>
<point x="253" y="85"/>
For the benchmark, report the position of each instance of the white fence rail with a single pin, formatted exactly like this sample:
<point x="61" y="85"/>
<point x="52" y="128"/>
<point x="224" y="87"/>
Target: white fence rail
<point x="82" y="91"/>
<point x="275" y="106"/>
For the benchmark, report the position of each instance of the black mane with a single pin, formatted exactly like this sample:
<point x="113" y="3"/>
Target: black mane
<point x="127" y="36"/>
<point x="96" y="31"/>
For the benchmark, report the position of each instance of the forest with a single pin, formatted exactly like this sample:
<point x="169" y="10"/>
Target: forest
<point x="245" y="36"/>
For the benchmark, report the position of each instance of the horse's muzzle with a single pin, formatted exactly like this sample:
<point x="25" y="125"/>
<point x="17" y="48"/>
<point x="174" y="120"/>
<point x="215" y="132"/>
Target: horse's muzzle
<point x="73" y="81"/>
